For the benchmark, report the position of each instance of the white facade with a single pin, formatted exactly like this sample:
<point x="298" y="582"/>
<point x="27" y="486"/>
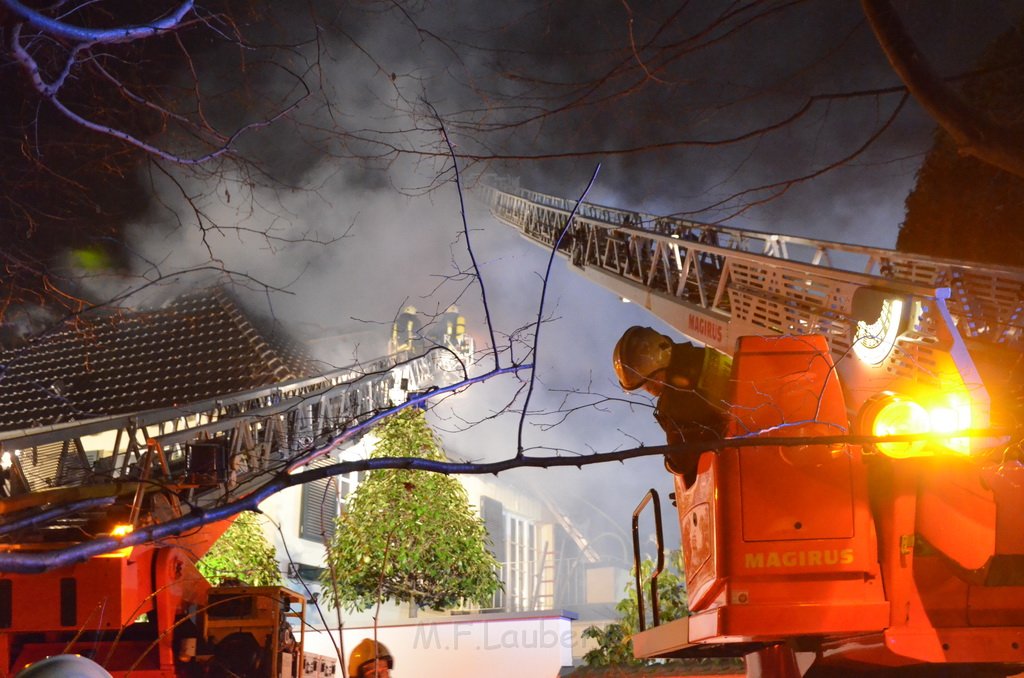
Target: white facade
<point x="523" y="630"/>
<point x="496" y="647"/>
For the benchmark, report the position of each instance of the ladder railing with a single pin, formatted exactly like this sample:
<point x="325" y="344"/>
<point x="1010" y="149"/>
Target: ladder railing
<point x="269" y="428"/>
<point x="731" y="273"/>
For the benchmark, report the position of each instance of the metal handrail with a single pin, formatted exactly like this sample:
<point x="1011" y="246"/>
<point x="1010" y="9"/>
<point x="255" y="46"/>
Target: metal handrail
<point x="652" y="495"/>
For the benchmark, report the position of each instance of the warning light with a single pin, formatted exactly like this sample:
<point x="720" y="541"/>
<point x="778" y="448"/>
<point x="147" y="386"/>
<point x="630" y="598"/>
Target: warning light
<point x="120" y="530"/>
<point x="891" y="414"/>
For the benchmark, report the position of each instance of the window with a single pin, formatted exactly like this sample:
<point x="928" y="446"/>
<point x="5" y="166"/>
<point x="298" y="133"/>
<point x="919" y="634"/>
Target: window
<point x="521" y="576"/>
<point x="347" y="484"/>
<point x="515" y="545"/>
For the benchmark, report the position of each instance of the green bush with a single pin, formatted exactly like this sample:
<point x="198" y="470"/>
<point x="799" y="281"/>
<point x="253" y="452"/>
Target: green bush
<point x="242" y="553"/>
<point x="409" y="536"/>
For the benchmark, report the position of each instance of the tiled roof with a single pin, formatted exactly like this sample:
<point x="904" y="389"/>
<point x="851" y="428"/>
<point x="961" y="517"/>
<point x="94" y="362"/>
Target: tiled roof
<point x="193" y="348"/>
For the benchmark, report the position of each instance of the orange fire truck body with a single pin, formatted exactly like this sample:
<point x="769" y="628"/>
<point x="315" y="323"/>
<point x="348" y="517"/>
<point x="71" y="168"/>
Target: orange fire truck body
<point x="83" y="609"/>
<point x="147" y="612"/>
<point x="850" y="556"/>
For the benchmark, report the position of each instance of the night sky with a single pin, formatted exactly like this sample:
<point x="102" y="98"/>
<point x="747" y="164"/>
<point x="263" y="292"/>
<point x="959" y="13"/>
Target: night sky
<point x="674" y="100"/>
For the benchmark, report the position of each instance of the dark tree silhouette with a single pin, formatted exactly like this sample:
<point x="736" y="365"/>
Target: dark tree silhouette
<point x="963" y="207"/>
<point x="978" y="130"/>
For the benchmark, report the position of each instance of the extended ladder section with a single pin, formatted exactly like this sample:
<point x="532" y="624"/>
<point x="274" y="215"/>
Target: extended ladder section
<point x="259" y="433"/>
<point x="892" y="320"/>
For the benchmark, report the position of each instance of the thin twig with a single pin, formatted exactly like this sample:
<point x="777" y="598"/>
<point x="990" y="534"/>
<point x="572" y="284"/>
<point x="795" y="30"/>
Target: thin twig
<point x="540" y="309"/>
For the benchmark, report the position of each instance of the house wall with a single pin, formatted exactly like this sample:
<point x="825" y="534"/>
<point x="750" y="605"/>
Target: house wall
<point x="536" y="644"/>
<point x="284" y="510"/>
<point x="511" y="647"/>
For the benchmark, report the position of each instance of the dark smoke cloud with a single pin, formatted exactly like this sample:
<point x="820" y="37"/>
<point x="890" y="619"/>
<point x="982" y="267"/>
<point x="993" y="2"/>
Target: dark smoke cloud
<point x="402" y="244"/>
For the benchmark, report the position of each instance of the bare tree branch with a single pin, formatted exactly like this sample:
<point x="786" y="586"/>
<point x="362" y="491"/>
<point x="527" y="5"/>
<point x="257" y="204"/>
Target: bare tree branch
<point x="22" y="562"/>
<point x="974" y="131"/>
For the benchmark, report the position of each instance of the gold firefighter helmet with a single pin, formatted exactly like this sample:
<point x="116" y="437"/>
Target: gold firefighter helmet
<point x="639" y="354"/>
<point x="367" y="651"/>
<point x="409" y="310"/>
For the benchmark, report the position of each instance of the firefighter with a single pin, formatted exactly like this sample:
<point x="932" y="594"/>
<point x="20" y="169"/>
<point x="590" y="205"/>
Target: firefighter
<point x="690" y="384"/>
<point x="406" y="330"/>
<point x="370" y="659"/>
<point x="453" y="328"/>
<point x="64" y="666"/>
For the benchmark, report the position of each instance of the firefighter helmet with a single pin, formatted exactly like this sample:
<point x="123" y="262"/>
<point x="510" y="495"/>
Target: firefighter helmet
<point x="367" y="651"/>
<point x="64" y="666"/>
<point x="639" y="354"/>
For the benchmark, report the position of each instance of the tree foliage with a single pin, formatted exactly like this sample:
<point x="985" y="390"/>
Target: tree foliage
<point x="409" y="536"/>
<point x="964" y="208"/>
<point x="614" y="641"/>
<point x="242" y="553"/>
<point x="614" y="644"/>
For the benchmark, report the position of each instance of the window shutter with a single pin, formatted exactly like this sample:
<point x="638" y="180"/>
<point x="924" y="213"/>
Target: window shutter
<point x="493" y="514"/>
<point x="319" y="507"/>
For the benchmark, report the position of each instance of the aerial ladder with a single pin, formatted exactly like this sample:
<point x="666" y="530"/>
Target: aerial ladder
<point x="145" y="610"/>
<point x="829" y="558"/>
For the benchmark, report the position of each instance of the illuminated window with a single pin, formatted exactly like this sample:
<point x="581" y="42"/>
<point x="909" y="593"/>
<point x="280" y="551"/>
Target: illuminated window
<point x="521" y="567"/>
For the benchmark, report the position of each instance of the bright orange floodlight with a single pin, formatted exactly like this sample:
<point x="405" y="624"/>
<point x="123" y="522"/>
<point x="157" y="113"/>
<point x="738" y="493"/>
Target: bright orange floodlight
<point x="892" y="414"/>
